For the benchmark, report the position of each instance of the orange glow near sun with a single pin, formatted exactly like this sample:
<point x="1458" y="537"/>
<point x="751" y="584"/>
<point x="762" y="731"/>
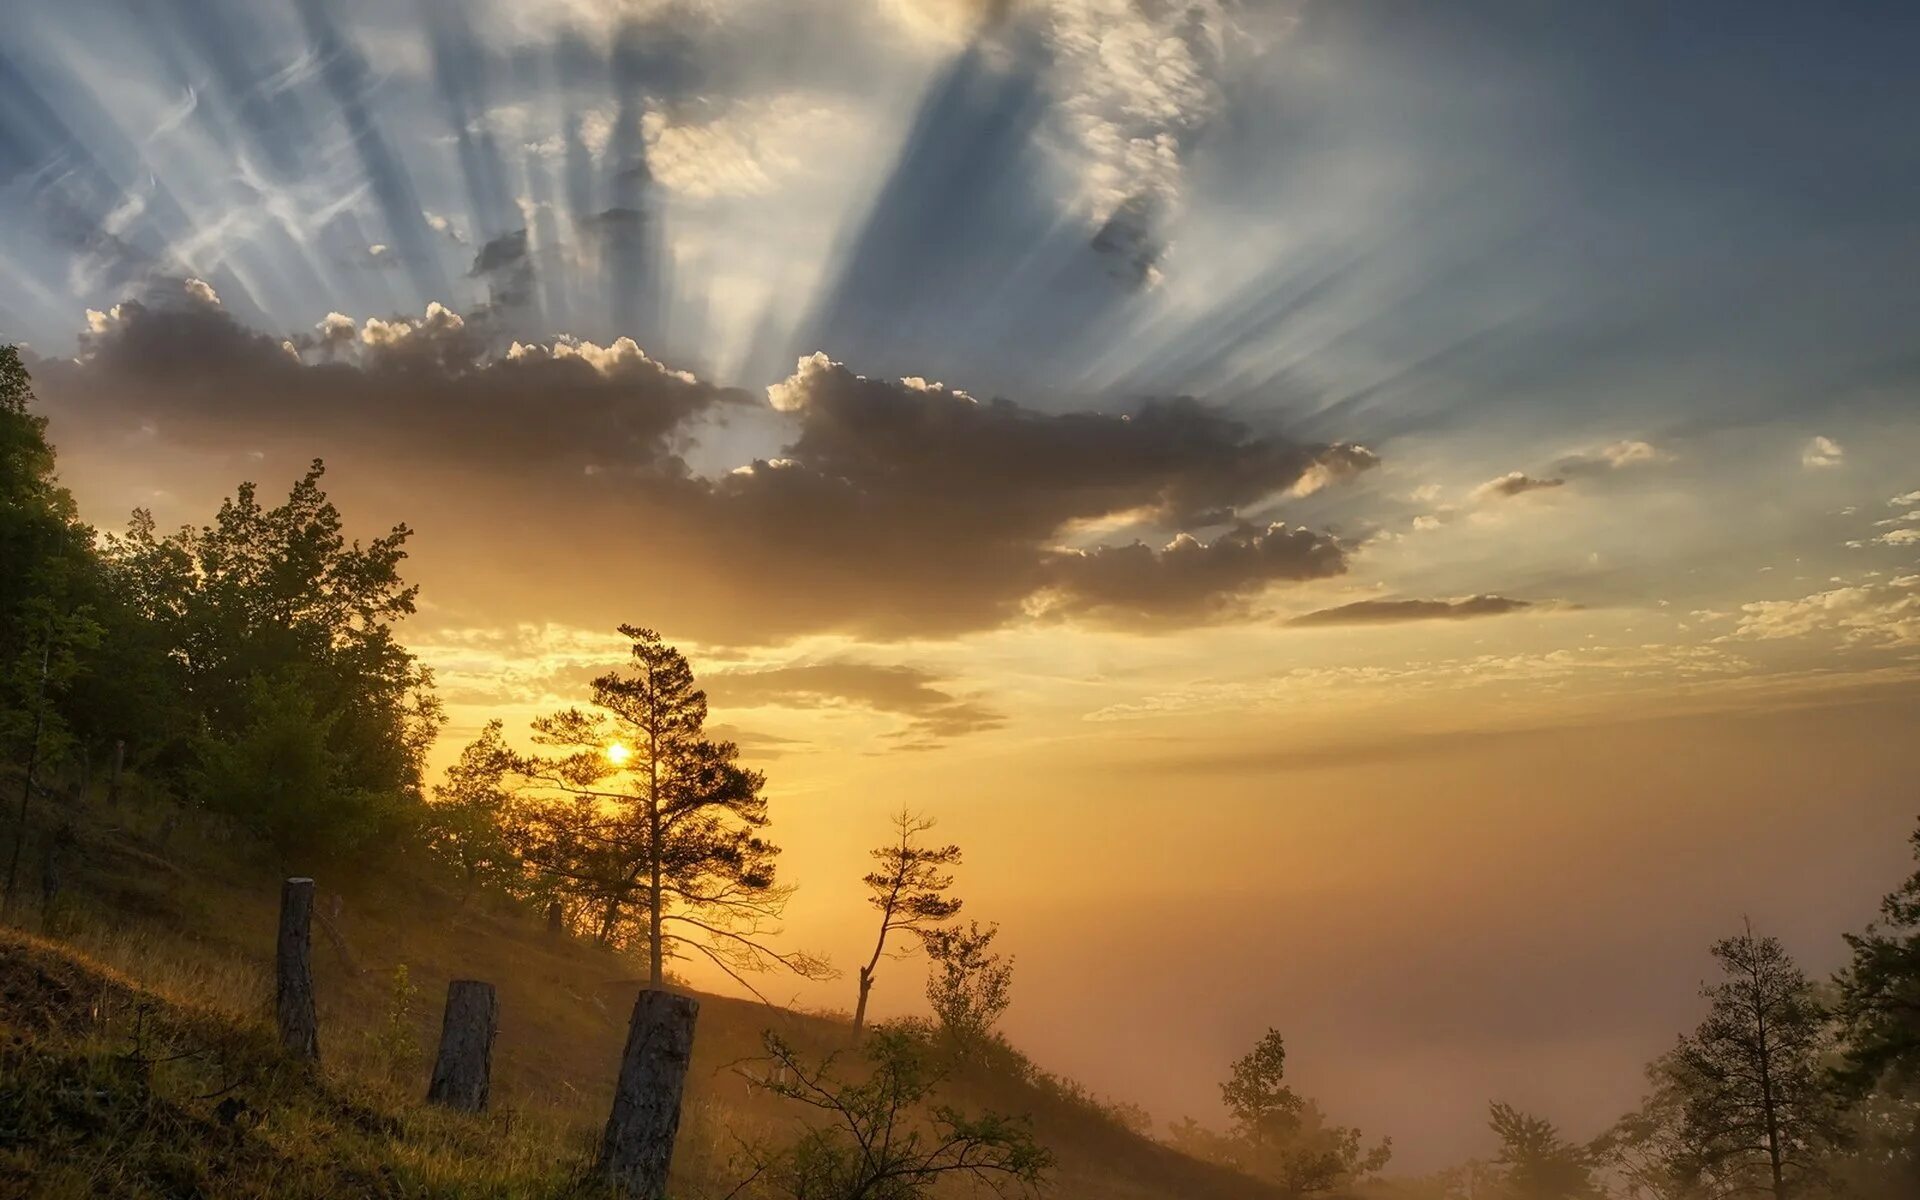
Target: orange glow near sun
<point x="618" y="754"/>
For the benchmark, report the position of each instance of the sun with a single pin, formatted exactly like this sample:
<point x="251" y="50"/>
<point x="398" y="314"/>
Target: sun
<point x="618" y="754"/>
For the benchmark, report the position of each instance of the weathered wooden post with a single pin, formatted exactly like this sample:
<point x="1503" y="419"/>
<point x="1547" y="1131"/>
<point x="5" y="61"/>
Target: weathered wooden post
<point x="299" y="1024"/>
<point x="638" y="1146"/>
<point x="465" y="1064"/>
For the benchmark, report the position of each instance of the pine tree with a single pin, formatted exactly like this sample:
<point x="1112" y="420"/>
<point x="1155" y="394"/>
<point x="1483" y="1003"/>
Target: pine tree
<point x="910" y="890"/>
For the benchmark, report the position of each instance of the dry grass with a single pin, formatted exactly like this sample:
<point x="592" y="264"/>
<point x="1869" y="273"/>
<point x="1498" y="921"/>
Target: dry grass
<point x="180" y="932"/>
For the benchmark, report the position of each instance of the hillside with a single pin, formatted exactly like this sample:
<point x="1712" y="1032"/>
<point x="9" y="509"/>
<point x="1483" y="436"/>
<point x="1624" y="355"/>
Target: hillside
<point x="136" y="1043"/>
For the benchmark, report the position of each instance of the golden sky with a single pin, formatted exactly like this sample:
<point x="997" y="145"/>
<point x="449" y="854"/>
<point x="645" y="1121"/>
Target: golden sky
<point x="1354" y="519"/>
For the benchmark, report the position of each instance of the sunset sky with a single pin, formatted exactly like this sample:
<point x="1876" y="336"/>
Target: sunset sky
<point x="1397" y="522"/>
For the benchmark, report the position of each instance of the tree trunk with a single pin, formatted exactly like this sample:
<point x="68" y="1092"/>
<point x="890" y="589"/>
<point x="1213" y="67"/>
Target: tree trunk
<point x="860" y="1009"/>
<point x="556" y="919"/>
<point x="113" y="776"/>
<point x="464" y="1068"/>
<point x="299" y="1024"/>
<point x="638" y="1146"/>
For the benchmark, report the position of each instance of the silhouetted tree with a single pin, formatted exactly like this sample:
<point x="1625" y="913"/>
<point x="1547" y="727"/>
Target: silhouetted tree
<point x="968" y="986"/>
<point x="1278" y="1135"/>
<point x="640" y="806"/>
<point x="1754" y="1106"/>
<point x="1643" y="1149"/>
<point x="881" y="1138"/>
<point x="910" y="890"/>
<point x="1535" y="1162"/>
<point x="470" y="824"/>
<point x="1879" y="1007"/>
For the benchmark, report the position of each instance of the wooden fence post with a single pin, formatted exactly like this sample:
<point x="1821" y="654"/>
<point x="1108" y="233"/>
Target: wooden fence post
<point x="465" y="1064"/>
<point x="293" y="970"/>
<point x="638" y="1146"/>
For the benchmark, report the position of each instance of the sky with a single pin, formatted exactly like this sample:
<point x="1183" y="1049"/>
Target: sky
<point x="1398" y="523"/>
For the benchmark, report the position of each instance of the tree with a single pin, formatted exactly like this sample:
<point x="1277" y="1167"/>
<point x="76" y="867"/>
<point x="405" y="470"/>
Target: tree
<point x="1879" y="1006"/>
<point x="1535" y="1162"/>
<point x="909" y="889"/>
<point x="1756" y="1111"/>
<point x="636" y="805"/>
<point x="882" y="1139"/>
<point x="1278" y="1135"/>
<point x="470" y="823"/>
<point x="265" y="603"/>
<point x="1879" y="1019"/>
<point x="968" y="986"/>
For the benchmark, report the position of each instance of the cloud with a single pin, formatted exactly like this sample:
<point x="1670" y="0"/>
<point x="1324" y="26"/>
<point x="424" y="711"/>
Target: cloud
<point x="1387" y="612"/>
<point x="1885" y="612"/>
<point x="869" y="507"/>
<point x="1906" y="501"/>
<point x="1187" y="578"/>
<point x="933" y="714"/>
<point x="1822" y="452"/>
<point x="1614" y="456"/>
<point x="1899" y="537"/>
<point x="407" y="388"/>
<point x="1513" y="483"/>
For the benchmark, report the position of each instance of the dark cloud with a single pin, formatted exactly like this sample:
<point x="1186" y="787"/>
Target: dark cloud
<point x="1388" y="612"/>
<point x="1188" y="578"/>
<point x="933" y="714"/>
<point x="504" y="264"/>
<point x="406" y="387"/>
<point x="1514" y="483"/>
<point x="894" y="509"/>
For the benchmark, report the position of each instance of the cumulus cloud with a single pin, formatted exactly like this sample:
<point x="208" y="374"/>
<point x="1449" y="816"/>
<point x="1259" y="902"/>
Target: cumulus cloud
<point x="424" y="387"/>
<point x="1513" y="483"/>
<point x="1388" y="612"/>
<point x="933" y="714"/>
<point x="1821" y="452"/>
<point x="1881" y="612"/>
<point x="876" y="508"/>
<point x="1137" y="584"/>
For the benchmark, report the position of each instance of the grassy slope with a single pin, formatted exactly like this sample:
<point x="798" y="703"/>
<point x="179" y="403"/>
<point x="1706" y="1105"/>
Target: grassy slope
<point x="147" y="1007"/>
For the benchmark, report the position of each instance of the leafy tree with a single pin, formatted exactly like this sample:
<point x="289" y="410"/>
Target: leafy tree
<point x="470" y="824"/>
<point x="268" y="602"/>
<point x="635" y="805"/>
<point x="1879" y="1006"/>
<point x="1536" y="1163"/>
<point x="910" y="890"/>
<point x="968" y="986"/>
<point x="1753" y="1108"/>
<point x="49" y="586"/>
<point x="280" y="777"/>
<point x="882" y="1138"/>
<point x="1278" y="1135"/>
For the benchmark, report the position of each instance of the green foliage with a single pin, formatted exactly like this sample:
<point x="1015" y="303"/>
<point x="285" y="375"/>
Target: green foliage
<point x="470" y="823"/>
<point x="282" y="777"/>
<point x="882" y="1137"/>
<point x="1536" y="1163"/>
<point x="968" y="986"/>
<point x="394" y="1044"/>
<point x="297" y="711"/>
<point x="49" y="587"/>
<point x="1278" y="1135"/>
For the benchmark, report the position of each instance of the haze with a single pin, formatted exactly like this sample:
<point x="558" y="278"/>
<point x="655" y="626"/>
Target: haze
<point x="1396" y="523"/>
